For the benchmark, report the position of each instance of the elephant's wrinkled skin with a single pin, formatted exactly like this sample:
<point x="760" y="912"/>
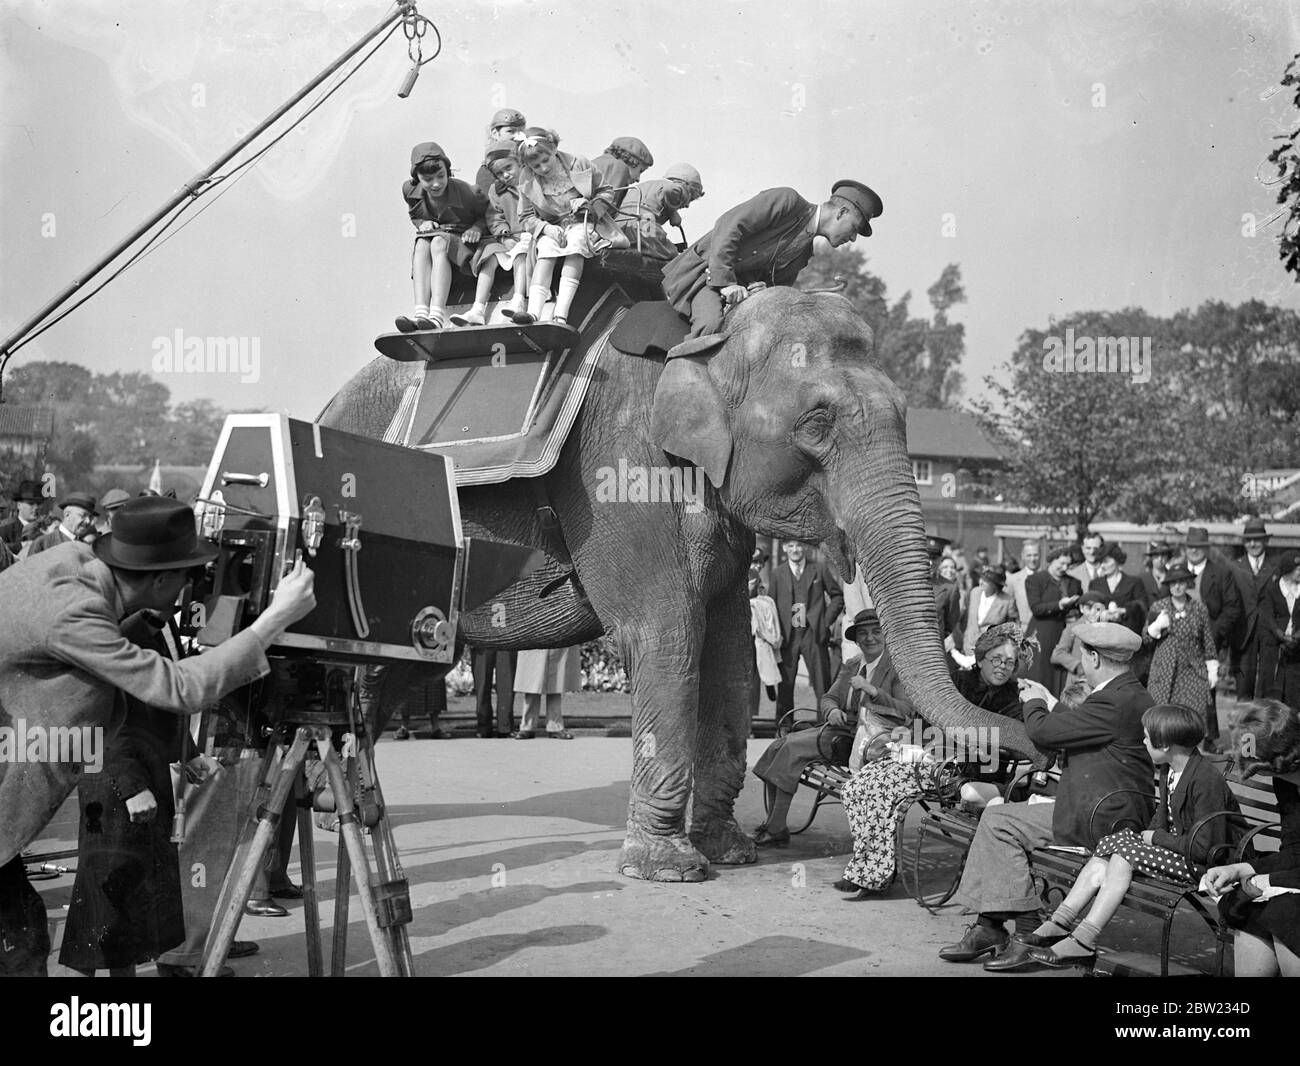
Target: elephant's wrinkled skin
<point x="801" y="437"/>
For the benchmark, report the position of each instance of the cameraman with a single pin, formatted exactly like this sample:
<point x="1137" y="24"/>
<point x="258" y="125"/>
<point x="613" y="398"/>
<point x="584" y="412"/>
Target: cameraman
<point x="64" y="664"/>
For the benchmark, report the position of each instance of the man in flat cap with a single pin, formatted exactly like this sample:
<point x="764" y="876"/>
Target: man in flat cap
<point x="64" y="663"/>
<point x="1101" y="750"/>
<point x="78" y="519"/>
<point x="765" y="241"/>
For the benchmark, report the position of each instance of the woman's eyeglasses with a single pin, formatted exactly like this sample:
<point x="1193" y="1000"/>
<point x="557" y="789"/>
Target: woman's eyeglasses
<point x="1000" y="661"/>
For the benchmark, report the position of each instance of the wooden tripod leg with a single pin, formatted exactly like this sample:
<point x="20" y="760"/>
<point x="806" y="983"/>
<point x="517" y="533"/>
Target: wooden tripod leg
<point x="342" y="901"/>
<point x="307" y="853"/>
<point x="235" y="893"/>
<point x="351" y="833"/>
<point x="388" y="864"/>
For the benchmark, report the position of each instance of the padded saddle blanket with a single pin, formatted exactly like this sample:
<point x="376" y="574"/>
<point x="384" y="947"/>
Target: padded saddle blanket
<point x="509" y="418"/>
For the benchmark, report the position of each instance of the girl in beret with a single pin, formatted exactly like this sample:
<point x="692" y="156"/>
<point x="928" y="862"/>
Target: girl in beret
<point x="506" y="125"/>
<point x="448" y="217"/>
<point x="507" y="242"/>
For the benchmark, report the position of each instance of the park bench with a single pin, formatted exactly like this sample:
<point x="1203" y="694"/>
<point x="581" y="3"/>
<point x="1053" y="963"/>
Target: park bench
<point x="824" y="777"/>
<point x="1056" y="870"/>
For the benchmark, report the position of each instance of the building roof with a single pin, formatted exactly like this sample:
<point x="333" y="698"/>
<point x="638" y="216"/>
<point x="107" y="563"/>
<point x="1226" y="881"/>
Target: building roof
<point x="26" y="420"/>
<point x="932" y="431"/>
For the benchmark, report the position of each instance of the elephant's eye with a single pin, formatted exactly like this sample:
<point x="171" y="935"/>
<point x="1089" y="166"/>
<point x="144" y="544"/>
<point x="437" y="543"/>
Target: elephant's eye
<point x="815" y="426"/>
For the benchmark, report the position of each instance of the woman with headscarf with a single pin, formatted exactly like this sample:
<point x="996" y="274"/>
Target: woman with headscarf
<point x="883" y="789"/>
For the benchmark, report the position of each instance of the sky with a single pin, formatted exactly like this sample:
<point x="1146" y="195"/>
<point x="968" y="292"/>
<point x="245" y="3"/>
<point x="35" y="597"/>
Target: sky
<point x="1068" y="156"/>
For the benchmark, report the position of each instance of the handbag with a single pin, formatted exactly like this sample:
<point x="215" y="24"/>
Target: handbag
<point x="603" y="234"/>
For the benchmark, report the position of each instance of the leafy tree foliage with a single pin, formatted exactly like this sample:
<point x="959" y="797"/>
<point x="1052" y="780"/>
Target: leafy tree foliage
<point x="1286" y="157"/>
<point x="921" y="356"/>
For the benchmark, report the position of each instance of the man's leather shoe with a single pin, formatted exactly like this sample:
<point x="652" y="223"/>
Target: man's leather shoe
<point x="264" y="908"/>
<point x="287" y="891"/>
<point x="845" y="885"/>
<point x="166" y="969"/>
<point x="980" y="940"/>
<point x="1019" y="957"/>
<point x="241" y="949"/>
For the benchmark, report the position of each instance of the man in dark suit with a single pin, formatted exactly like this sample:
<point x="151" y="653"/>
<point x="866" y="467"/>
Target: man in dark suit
<point x="867" y="685"/>
<point x="1217" y="589"/>
<point x="1253" y="574"/>
<point x="808" y="601"/>
<point x="765" y="241"/>
<point x="1086" y="572"/>
<point x="27" y="502"/>
<point x="1102" y="751"/>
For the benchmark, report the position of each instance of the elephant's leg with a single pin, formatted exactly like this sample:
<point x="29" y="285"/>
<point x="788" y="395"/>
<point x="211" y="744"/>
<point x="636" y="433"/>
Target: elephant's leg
<point x="665" y="695"/>
<point x="727" y="671"/>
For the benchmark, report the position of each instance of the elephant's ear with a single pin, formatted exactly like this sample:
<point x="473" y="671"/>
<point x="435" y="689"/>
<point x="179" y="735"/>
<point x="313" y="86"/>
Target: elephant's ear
<point x="689" y="419"/>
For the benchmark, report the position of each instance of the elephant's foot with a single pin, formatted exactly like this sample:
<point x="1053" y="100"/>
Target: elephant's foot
<point x="649" y="857"/>
<point x="723" y="841"/>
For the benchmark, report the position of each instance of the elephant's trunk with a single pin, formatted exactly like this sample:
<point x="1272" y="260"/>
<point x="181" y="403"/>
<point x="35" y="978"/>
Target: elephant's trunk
<point x="881" y="511"/>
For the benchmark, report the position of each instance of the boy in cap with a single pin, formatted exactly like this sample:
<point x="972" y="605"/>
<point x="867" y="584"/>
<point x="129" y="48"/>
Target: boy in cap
<point x="765" y="241"/>
<point x="1101" y="741"/>
<point x="652" y="204"/>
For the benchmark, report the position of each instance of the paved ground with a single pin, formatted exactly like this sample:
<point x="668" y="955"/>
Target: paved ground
<point x="510" y="847"/>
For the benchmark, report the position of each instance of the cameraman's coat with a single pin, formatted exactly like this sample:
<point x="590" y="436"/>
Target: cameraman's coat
<point x="64" y="663"/>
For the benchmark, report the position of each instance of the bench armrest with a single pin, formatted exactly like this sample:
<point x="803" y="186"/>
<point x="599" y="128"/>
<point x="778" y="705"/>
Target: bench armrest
<point x="1114" y="826"/>
<point x="1224" y="849"/>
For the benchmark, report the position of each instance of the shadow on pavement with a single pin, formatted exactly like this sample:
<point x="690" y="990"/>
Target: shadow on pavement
<point x="606" y="805"/>
<point x="770" y="956"/>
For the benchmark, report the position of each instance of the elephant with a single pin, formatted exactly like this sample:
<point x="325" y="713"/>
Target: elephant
<point x="786" y="429"/>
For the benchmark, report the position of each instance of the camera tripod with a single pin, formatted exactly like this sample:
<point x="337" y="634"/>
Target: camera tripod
<point x="385" y="903"/>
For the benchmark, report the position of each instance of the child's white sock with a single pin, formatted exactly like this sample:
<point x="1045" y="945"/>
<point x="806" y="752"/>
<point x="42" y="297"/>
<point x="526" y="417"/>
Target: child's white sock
<point x="564" y="299"/>
<point x="537" y="297"/>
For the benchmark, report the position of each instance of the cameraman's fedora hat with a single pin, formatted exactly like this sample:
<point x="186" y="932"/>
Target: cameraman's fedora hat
<point x="28" y="492"/>
<point x="154" y="533"/>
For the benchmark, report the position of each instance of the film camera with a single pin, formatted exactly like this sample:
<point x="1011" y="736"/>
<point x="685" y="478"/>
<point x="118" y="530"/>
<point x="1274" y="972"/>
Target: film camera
<point x="380" y="528"/>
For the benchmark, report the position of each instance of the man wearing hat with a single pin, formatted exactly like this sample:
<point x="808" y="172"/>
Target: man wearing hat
<point x="765" y="241"/>
<point x="27" y="502"/>
<point x="64" y="662"/>
<point x="113" y="499"/>
<point x="868" y="686"/>
<point x="622" y="164"/>
<point x="1214" y="585"/>
<point x="78" y="519"/>
<point x="1101" y="751"/>
<point x="1253" y="573"/>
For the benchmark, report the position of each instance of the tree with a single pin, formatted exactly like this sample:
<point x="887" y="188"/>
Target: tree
<point x="1082" y="444"/>
<point x="192" y="432"/>
<point x="1286" y="157"/>
<point x="1239" y="368"/>
<point x="921" y="356"/>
